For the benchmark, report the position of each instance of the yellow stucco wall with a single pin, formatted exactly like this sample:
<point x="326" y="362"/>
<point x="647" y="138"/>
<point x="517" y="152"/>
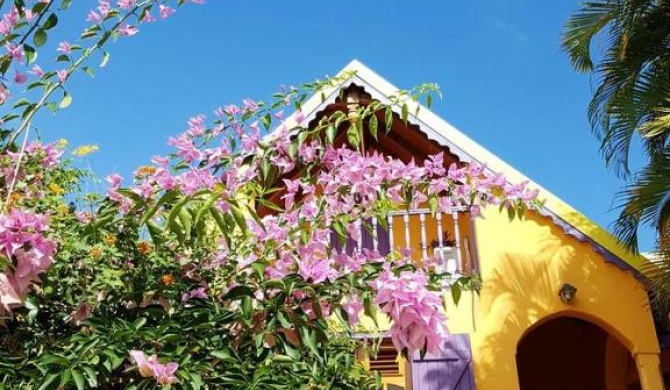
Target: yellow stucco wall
<point x="523" y="264"/>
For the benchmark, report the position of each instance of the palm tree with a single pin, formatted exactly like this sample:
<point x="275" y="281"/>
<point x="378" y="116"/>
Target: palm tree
<point x="631" y="97"/>
<point x="632" y="70"/>
<point x="631" y="100"/>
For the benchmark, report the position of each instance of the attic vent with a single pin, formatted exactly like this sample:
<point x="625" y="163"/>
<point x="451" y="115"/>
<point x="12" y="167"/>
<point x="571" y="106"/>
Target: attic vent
<point x="386" y="361"/>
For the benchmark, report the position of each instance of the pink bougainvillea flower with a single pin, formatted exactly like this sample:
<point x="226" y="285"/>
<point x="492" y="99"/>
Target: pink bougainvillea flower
<point x="164" y="373"/>
<point x="126" y="4"/>
<point x="127" y="30"/>
<point x="9" y="297"/>
<point x="353" y="306"/>
<point x="148" y="17"/>
<point x="62" y="75"/>
<point x="37" y="71"/>
<point x="165" y="11"/>
<point x="93" y="17"/>
<point x="415" y="311"/>
<point x="104" y="7"/>
<point x="20" y="77"/>
<point x="5" y="28"/>
<point x="15" y="52"/>
<point x="64" y="47"/>
<point x="149" y="367"/>
<point x="4" y="94"/>
<point x="81" y="313"/>
<point x="200" y="292"/>
<point x="250" y="105"/>
<point x="299" y="117"/>
<point x="145" y="365"/>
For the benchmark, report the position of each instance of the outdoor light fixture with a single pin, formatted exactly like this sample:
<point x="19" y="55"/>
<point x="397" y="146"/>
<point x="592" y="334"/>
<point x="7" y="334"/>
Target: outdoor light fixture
<point x="567" y="293"/>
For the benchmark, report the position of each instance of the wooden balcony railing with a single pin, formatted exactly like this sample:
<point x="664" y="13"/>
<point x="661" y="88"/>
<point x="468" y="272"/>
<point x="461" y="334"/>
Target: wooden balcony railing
<point x="445" y="239"/>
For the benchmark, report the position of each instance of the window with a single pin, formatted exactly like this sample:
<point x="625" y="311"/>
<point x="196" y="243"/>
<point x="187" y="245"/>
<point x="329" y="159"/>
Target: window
<point x="389" y="364"/>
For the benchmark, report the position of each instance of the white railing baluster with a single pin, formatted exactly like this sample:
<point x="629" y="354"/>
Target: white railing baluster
<point x="438" y="221"/>
<point x="424" y="244"/>
<point x="390" y="219"/>
<point x="457" y="241"/>
<point x="375" y="243"/>
<point x="406" y="219"/>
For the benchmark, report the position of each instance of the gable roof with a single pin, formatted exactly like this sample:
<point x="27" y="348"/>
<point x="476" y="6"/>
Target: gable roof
<point x="467" y="150"/>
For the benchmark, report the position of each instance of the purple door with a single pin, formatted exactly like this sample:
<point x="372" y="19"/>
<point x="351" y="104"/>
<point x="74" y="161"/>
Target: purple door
<point x="451" y="370"/>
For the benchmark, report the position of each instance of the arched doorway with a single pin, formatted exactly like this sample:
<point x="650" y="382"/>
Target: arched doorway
<point x="570" y="353"/>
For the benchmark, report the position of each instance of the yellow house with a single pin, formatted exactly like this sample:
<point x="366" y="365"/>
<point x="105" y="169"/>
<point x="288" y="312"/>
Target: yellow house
<point x="561" y="305"/>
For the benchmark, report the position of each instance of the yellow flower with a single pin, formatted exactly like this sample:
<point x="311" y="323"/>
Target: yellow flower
<point x="56" y="189"/>
<point x="63" y="209"/>
<point x="62" y="143"/>
<point x="96" y="253"/>
<point x="110" y="239"/>
<point x="85" y="150"/>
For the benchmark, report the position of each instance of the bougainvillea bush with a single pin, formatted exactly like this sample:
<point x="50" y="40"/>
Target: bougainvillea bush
<point x="214" y="266"/>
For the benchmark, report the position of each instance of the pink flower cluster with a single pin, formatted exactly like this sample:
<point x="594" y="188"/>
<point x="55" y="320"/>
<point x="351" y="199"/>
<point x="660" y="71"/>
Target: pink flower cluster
<point x="149" y="367"/>
<point x="417" y="320"/>
<point x="22" y="241"/>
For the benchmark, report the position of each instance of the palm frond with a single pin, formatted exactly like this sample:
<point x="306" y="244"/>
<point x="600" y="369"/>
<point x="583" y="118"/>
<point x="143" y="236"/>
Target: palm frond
<point x="645" y="202"/>
<point x="581" y="29"/>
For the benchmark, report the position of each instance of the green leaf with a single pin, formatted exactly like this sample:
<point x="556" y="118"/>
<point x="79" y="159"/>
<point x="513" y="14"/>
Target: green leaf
<point x="388" y="119"/>
<point x="78" y="380"/>
<point x="140" y="322"/>
<point x="67" y="100"/>
<point x="105" y="59"/>
<point x="91" y="376"/>
<point x="166" y="197"/>
<point x="196" y="381"/>
<point x="373" y="125"/>
<point x="456" y="292"/>
<point x="48" y="380"/>
<point x="31" y="53"/>
<point x="405" y="112"/>
<point x="40" y="38"/>
<point x="21" y="102"/>
<point x="221" y="354"/>
<point x="238" y="292"/>
<point x="51" y="106"/>
<point x="330" y="134"/>
<point x="65" y="377"/>
<point x="51" y="22"/>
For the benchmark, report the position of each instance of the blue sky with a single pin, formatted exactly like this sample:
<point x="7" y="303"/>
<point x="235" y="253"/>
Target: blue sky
<point x="505" y="81"/>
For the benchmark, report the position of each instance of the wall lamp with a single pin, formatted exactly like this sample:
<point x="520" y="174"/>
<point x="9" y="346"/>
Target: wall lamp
<point x="567" y="293"/>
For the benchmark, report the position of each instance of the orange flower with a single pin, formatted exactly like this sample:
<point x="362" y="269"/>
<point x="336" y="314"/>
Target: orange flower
<point x="144" y="248"/>
<point x="110" y="239"/>
<point x="96" y="253"/>
<point x="167" y="279"/>
<point x="145" y="171"/>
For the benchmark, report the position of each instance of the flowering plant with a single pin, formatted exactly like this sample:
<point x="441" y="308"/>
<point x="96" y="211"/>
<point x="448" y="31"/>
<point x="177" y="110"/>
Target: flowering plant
<point x="214" y="266"/>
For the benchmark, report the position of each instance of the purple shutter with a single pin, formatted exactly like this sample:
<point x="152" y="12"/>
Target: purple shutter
<point x="450" y="370"/>
<point x="383" y="242"/>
